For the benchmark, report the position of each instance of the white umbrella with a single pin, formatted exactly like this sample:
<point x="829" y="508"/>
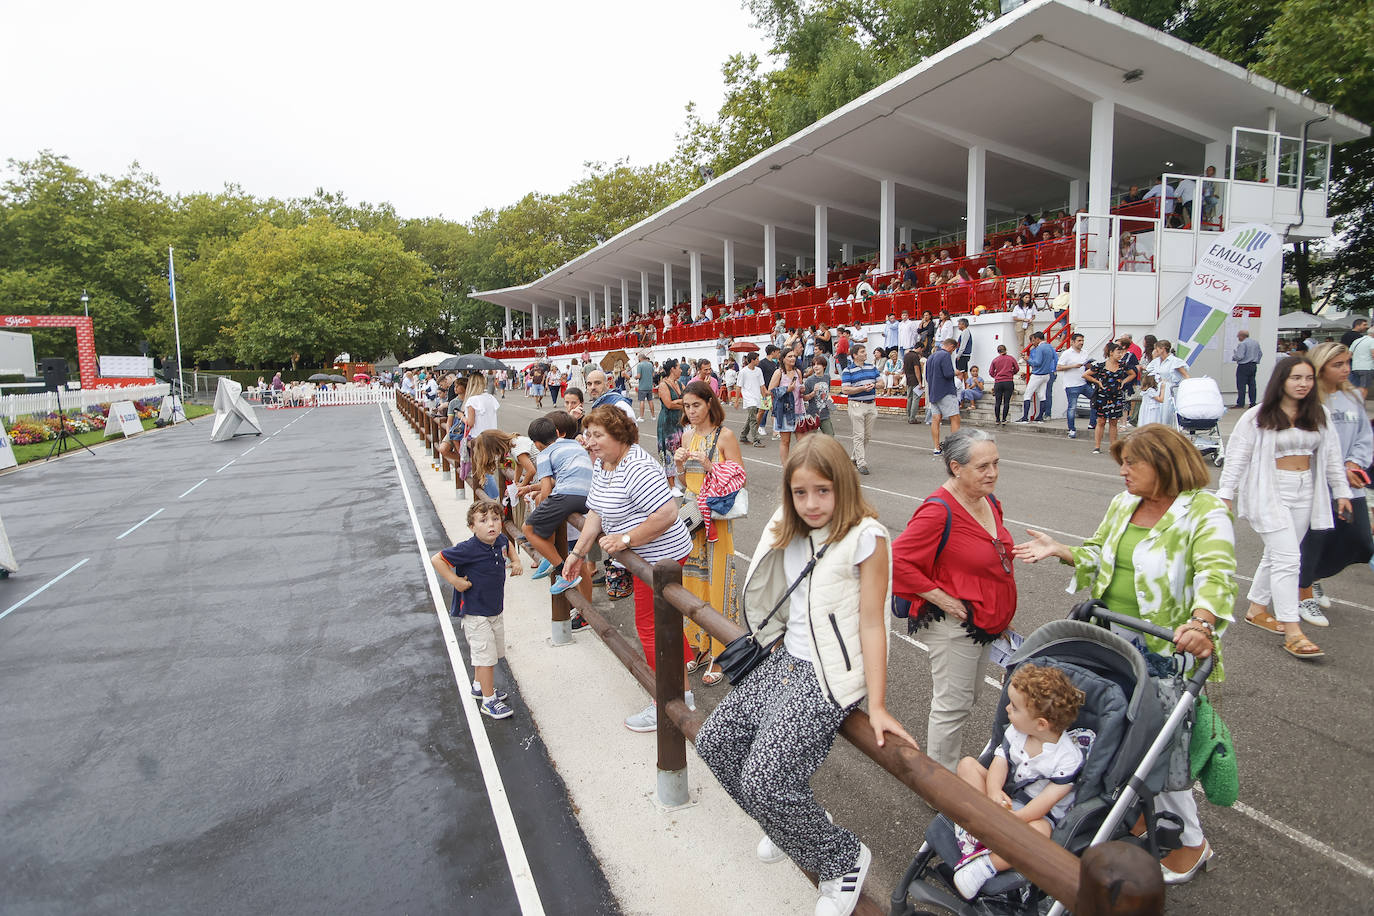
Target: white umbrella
<point x="426" y="360"/>
<point x="1306" y="321"/>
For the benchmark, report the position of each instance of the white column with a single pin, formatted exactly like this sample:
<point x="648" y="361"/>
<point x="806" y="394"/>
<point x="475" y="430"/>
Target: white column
<point x="729" y="272"/>
<point x="1214" y="153"/>
<point x="577" y="312"/>
<point x="904" y="236"/>
<point x="534" y="317"/>
<point x="606" y="303"/>
<point x="846" y="253"/>
<point x="770" y="260"/>
<point x="667" y="286"/>
<point x="509" y="330"/>
<point x="1100" y="180"/>
<point x="624" y="301"/>
<point x="562" y="320"/>
<point x="696" y="284"/>
<point x="822" y="244"/>
<point x="643" y="292"/>
<point x="591" y="308"/>
<point x="887" y="224"/>
<point x="801" y="263"/>
<point x="1075" y="195"/>
<point x="975" y="218"/>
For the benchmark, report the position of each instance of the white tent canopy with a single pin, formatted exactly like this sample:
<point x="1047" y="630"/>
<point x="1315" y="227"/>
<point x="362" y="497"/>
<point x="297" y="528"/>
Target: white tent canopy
<point x="426" y="360"/>
<point x="1306" y="321"/>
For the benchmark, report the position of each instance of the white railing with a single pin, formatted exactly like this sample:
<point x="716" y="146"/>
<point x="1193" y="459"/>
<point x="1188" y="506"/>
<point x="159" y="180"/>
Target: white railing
<point x="13" y="406"/>
<point x="372" y="394"/>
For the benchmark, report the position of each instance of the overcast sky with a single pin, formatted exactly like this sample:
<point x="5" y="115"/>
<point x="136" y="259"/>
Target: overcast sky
<point x="439" y="108"/>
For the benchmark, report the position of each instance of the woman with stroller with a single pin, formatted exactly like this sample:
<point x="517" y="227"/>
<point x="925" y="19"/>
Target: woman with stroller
<point x="1164" y="552"/>
<point x="953" y="563"/>
<point x="819" y="583"/>
<point x="1327" y="552"/>
<point x="1283" y="468"/>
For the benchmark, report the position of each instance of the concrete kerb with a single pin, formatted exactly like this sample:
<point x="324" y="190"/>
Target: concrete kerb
<point x="656" y="862"/>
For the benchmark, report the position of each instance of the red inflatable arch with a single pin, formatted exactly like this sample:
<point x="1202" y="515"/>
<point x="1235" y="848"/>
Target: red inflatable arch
<point x="85" y="346"/>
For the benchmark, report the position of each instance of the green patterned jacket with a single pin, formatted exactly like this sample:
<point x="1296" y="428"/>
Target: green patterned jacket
<point x="1186" y="561"/>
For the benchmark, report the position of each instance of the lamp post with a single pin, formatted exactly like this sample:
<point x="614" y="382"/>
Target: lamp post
<point x="86" y="303"/>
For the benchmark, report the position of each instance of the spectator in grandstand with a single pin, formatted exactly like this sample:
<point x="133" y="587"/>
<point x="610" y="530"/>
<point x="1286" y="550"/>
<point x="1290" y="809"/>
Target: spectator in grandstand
<point x="630" y="507"/>
<point x="962" y="278"/>
<point x="1043" y="360"/>
<point x="1165" y="193"/>
<point x="942" y="395"/>
<point x="859" y="383"/>
<point x="752" y="383"/>
<point x="1133" y="195"/>
<point x="1165" y="552"/>
<point x="1186" y="190"/>
<point x="892" y="372"/>
<point x="1003" y="373"/>
<point x="1070" y="367"/>
<point x="1132" y="260"/>
<point x="1210" y="198"/>
<point x="817" y="583"/>
<point x="953" y="563"/>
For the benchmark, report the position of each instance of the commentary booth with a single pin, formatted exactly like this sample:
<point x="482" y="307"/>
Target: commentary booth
<point x="1055" y="110"/>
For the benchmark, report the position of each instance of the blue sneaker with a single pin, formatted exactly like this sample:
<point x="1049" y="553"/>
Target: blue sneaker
<point x="561" y="585"/>
<point x="477" y="692"/>
<point x="545" y="567"/>
<point x="496" y="708"/>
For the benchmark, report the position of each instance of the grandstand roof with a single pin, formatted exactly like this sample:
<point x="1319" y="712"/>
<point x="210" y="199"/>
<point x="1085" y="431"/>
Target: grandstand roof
<point x="1022" y="88"/>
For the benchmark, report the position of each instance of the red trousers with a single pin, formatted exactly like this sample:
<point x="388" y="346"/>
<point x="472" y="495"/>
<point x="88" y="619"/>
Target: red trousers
<point x="644" y="622"/>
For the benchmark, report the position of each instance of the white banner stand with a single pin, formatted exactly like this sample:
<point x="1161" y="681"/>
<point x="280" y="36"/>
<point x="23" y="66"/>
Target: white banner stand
<point x="231" y="412"/>
<point x="123" y="418"/>
<point x="171" y="410"/>
<point x="8" y="563"/>
<point x="7" y="459"/>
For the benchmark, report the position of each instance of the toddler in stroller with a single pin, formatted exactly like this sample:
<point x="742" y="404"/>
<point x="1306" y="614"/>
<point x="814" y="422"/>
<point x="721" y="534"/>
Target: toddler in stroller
<point x="1130" y="728"/>
<point x="1033" y="768"/>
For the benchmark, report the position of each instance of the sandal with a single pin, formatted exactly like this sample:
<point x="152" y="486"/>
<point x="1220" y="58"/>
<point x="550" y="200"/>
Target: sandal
<point x="712" y="677"/>
<point x="696" y="662"/>
<point x="1302" y="647"/>
<point x="1265" y="621"/>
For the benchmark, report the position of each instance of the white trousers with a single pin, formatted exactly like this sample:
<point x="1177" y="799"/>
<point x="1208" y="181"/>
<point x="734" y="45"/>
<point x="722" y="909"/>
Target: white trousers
<point x="1276" y="579"/>
<point x="1184" y="804"/>
<point x="1034" y="387"/>
<point x="956" y="672"/>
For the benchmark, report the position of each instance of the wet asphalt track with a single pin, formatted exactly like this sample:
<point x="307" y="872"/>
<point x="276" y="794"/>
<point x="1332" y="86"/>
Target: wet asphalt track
<point x="244" y="704"/>
<point x="1303" y="841"/>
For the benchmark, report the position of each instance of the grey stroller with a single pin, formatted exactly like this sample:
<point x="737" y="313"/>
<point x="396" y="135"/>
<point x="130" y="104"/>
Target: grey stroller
<point x="1140" y="725"/>
<point x="1198" y="409"/>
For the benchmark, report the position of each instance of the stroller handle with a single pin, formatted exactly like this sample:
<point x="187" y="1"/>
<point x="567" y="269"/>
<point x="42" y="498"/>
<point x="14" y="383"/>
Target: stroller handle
<point x="1095" y="609"/>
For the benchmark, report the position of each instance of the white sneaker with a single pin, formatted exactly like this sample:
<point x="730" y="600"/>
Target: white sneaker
<point x="840" y="895"/>
<point x="972" y="873"/>
<point x="1311" y="611"/>
<point x="769" y="852"/>
<point x="646" y="720"/>
<point x="1320" y="594"/>
<point x="676" y="492"/>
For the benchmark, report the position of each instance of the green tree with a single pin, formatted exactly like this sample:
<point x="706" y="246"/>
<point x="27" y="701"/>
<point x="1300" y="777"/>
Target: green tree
<point x="313" y="291"/>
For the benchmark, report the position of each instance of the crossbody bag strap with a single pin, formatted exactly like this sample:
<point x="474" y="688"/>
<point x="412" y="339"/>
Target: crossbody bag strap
<point x="793" y="587"/>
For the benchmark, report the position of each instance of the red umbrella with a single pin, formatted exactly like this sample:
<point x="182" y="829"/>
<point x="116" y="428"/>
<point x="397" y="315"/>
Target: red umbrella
<point x="743" y="346"/>
<point x="361" y="377"/>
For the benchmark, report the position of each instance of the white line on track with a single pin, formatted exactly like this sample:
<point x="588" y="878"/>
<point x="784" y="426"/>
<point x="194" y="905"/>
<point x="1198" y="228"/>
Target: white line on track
<point x="188" y="492"/>
<point x="1302" y="839"/>
<point x="141" y="524"/>
<point x="250" y="448"/>
<point x="41" y="589"/>
<point x="516" y="859"/>
<point x="227" y="463"/>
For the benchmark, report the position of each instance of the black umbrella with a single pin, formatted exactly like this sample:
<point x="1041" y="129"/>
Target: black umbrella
<point x="470" y="362"/>
<point x="321" y="377"/>
<point x="338" y="378"/>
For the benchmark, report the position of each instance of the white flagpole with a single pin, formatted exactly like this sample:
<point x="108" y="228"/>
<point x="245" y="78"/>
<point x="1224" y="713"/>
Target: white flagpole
<point x="176" y="324"/>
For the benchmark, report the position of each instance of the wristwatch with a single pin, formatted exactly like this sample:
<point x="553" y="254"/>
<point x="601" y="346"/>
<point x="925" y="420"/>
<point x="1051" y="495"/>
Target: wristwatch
<point x="625" y="539"/>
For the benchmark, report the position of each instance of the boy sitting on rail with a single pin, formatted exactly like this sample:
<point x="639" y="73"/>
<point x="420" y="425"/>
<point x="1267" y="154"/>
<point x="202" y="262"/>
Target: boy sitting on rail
<point x="1042" y="760"/>
<point x="476" y="568"/>
<point x="562" y="479"/>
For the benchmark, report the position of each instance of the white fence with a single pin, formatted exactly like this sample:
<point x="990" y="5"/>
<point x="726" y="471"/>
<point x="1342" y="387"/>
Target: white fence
<point x="372" y="394"/>
<point x="13" y="406"/>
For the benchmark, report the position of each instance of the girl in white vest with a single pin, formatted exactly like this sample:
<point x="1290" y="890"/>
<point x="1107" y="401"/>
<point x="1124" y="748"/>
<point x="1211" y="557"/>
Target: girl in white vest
<point x="829" y="640"/>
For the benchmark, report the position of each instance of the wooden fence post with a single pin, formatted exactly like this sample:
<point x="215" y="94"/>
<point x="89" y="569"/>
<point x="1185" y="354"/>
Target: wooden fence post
<point x="669" y="673"/>
<point x="1119" y="879"/>
<point x="561" y="626"/>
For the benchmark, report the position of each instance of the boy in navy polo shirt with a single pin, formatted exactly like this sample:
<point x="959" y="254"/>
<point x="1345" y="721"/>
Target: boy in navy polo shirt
<point x="476" y="569"/>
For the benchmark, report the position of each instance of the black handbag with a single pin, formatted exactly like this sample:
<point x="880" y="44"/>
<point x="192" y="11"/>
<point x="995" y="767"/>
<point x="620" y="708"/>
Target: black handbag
<point x="744" y="653"/>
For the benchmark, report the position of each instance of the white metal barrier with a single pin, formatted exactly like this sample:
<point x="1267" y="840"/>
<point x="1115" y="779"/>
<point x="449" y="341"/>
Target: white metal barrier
<point x="372" y="394"/>
<point x="14" y="406"/>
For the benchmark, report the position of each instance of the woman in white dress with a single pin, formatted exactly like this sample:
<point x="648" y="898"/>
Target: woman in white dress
<point x="1168" y="371"/>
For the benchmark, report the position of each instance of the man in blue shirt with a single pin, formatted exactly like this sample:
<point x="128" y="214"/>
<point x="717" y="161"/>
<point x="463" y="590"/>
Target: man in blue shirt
<point x="1247" y="359"/>
<point x="859" y="383"/>
<point x="942" y="395"/>
<point x="1043" y="361"/>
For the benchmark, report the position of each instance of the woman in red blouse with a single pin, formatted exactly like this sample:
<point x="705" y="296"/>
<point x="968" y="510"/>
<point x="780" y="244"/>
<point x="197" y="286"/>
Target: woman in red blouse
<point x="964" y="591"/>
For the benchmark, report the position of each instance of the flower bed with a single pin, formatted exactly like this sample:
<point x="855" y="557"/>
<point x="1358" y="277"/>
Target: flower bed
<point x="44" y="427"/>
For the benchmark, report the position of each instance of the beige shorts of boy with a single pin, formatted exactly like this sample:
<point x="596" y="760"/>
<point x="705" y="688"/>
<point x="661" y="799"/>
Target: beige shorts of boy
<point x="486" y="638"/>
<point x="947" y="406"/>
